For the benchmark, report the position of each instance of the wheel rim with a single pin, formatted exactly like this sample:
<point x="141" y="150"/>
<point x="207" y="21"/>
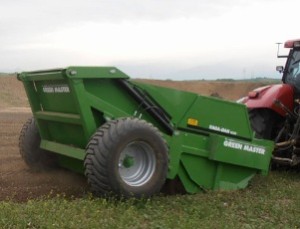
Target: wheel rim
<point x="137" y="163"/>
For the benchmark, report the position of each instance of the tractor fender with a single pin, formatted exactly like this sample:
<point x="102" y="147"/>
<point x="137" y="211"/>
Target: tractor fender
<point x="264" y="97"/>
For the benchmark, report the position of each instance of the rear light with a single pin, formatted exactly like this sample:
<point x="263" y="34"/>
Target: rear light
<point x="253" y="94"/>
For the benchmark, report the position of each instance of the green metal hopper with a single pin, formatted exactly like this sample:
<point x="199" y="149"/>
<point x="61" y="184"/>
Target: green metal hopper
<point x="129" y="138"/>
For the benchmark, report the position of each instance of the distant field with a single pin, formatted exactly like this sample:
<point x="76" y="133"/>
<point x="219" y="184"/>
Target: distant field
<point x="12" y="93"/>
<point x="231" y="90"/>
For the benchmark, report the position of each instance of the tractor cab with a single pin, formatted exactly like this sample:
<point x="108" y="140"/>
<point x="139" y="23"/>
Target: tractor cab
<point x="291" y="71"/>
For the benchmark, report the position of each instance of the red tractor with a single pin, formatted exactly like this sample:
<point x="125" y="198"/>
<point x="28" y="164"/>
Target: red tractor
<point x="274" y="110"/>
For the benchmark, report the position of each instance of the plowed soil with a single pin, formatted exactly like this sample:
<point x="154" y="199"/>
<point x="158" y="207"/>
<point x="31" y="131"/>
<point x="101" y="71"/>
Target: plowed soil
<point x="19" y="183"/>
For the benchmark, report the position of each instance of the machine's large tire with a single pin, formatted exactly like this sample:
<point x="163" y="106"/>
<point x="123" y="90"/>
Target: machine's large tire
<point x="29" y="145"/>
<point x="262" y="121"/>
<point x="126" y="157"/>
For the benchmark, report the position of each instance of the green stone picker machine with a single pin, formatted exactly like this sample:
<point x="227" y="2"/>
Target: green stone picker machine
<point x="130" y="138"/>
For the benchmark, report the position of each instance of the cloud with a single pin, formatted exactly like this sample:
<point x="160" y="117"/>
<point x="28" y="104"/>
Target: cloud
<point x="24" y="20"/>
<point x="112" y="10"/>
<point x="27" y="17"/>
<point x="171" y="34"/>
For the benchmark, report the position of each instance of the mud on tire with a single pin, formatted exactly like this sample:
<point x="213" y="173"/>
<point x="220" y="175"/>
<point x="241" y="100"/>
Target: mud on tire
<point x="126" y="157"/>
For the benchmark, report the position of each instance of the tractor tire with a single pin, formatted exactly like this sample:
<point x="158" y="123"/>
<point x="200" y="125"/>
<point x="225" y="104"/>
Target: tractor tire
<point x="29" y="145"/>
<point x="261" y="121"/>
<point x="126" y="158"/>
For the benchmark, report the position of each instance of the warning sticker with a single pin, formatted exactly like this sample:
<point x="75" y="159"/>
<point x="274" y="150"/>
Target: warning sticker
<point x="222" y="129"/>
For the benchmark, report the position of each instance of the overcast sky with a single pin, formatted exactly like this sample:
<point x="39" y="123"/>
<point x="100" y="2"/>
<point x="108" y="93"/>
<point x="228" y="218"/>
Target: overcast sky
<point x="167" y="39"/>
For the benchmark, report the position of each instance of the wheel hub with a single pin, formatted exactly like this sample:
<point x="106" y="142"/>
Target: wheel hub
<point x="137" y="163"/>
<point x="128" y="161"/>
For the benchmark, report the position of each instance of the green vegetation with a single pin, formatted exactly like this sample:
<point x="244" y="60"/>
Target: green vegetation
<point x="269" y="202"/>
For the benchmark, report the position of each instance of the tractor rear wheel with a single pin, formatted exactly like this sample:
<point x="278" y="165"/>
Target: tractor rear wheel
<point x="29" y="145"/>
<point x="261" y="121"/>
<point x="126" y="157"/>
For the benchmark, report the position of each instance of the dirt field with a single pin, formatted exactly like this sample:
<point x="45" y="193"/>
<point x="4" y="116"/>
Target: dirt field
<point x="18" y="183"/>
<point x="227" y="90"/>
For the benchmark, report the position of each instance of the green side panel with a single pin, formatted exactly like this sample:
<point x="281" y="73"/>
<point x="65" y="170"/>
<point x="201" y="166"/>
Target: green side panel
<point x="174" y="102"/>
<point x="64" y="149"/>
<point x="219" y="116"/>
<point x="231" y="177"/>
<point x="255" y="154"/>
<point x="200" y="170"/>
<point x="55" y="95"/>
<point x="207" y="174"/>
<point x="107" y="96"/>
<point x="58" y="116"/>
<point x="213" y="115"/>
<point x="185" y="143"/>
<point x="64" y="133"/>
<point x="211" y="161"/>
<point x="189" y="185"/>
